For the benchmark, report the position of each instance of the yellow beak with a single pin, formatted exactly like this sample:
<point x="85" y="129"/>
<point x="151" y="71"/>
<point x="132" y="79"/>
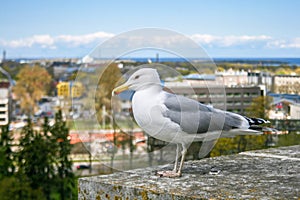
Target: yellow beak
<point x="120" y="89"/>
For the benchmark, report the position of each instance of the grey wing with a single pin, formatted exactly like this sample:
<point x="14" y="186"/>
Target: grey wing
<point x="194" y="117"/>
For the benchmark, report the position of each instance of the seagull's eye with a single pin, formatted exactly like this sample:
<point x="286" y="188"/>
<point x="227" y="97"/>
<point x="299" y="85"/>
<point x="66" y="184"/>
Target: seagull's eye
<point x="137" y="76"/>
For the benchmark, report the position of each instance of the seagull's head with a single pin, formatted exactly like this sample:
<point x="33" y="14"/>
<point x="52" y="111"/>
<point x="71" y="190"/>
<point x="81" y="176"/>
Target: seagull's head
<point x="139" y="80"/>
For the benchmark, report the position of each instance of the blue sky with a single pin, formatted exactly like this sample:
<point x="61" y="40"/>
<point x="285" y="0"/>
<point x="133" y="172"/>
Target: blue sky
<point x="225" y="28"/>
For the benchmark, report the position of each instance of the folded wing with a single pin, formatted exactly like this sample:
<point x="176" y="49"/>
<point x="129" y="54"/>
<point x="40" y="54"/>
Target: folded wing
<point x="194" y="117"/>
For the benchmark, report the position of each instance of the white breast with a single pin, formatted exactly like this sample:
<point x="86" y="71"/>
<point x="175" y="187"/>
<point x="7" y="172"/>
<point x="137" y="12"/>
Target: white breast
<point x="147" y="110"/>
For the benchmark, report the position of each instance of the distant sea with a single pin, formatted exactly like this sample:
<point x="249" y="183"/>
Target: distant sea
<point x="260" y="61"/>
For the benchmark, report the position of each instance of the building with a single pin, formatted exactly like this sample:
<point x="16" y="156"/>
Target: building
<point x="63" y="69"/>
<point x="4" y="103"/>
<point x="63" y="89"/>
<point x="76" y="89"/>
<point x="234" y="99"/>
<point x="199" y="79"/>
<point x="229" y="78"/>
<point x="285" y="106"/>
<point x="260" y="78"/>
<point x="232" y="78"/>
<point x="3" y="56"/>
<point x="69" y="89"/>
<point x="290" y="97"/>
<point x="286" y="84"/>
<point x="295" y="111"/>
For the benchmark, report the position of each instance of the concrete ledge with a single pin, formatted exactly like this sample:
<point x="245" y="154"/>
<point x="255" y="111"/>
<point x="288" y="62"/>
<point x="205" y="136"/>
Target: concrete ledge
<point x="265" y="174"/>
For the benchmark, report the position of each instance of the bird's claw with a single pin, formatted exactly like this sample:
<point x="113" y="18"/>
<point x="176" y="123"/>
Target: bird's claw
<point x="170" y="174"/>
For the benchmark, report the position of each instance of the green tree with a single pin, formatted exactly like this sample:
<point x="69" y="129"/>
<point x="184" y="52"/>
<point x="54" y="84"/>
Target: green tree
<point x="35" y="159"/>
<point x="32" y="84"/>
<point x="292" y="138"/>
<point x="17" y="188"/>
<point x="50" y="153"/>
<point x="283" y="71"/>
<point x="12" y="68"/>
<point x="44" y="159"/>
<point x="7" y="167"/>
<point x="260" y="107"/>
<point x="65" y="176"/>
<point x="297" y="70"/>
<point x="107" y="82"/>
<point x="227" y="146"/>
<point x="220" y="69"/>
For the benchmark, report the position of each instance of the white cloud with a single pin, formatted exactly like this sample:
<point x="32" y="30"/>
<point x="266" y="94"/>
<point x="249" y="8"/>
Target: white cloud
<point x="276" y="43"/>
<point x="235" y="40"/>
<point x="65" y="42"/>
<point x="285" y="44"/>
<point x="43" y="40"/>
<point x="230" y="40"/>
<point x="205" y="38"/>
<point x="83" y="39"/>
<point x="48" y="41"/>
<point x="295" y="43"/>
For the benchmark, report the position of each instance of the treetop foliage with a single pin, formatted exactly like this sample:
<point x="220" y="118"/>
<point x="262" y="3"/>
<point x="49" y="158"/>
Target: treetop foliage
<point x="32" y="84"/>
<point x="42" y="161"/>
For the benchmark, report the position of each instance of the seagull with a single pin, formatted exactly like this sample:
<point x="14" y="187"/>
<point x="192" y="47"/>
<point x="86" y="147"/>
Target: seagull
<point x="178" y="119"/>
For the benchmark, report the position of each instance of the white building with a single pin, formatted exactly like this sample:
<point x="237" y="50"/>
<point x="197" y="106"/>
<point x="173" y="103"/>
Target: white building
<point x="285" y="109"/>
<point x="4" y="106"/>
<point x="228" y="78"/>
<point x="294" y="111"/>
<point x="260" y="78"/>
<point x="286" y="84"/>
<point x="232" y="78"/>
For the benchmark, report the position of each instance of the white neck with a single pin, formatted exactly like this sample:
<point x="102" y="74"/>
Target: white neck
<point x="150" y="88"/>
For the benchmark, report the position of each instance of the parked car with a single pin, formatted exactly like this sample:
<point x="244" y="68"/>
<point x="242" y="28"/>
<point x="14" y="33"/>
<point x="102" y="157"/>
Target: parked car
<point x="83" y="167"/>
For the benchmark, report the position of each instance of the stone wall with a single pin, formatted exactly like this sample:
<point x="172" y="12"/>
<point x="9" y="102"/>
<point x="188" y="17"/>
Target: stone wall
<point x="265" y="174"/>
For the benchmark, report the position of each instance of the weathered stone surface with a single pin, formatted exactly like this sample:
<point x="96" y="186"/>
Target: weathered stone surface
<point x="265" y="174"/>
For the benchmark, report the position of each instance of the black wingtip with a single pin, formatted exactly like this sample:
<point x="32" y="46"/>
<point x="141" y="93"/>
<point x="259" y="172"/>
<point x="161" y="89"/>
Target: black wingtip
<point x="256" y="121"/>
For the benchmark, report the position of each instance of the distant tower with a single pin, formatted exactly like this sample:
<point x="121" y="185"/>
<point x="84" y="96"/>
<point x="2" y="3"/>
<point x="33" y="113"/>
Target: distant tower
<point x="4" y="56"/>
<point x="157" y="57"/>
